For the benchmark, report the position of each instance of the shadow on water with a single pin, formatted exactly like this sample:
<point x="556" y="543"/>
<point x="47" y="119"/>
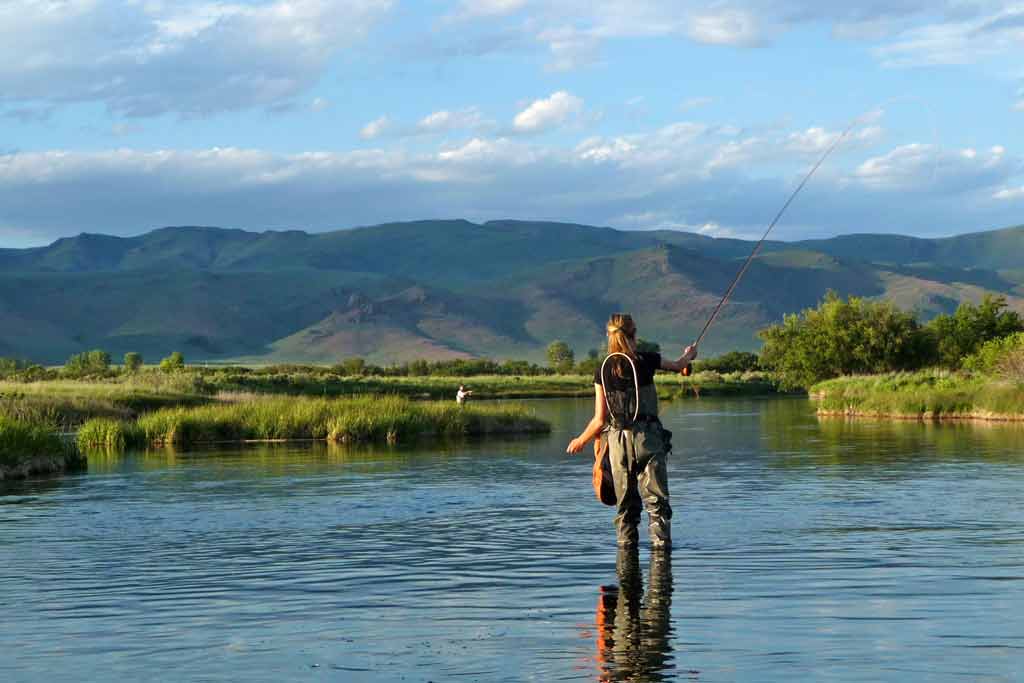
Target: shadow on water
<point x="633" y="630"/>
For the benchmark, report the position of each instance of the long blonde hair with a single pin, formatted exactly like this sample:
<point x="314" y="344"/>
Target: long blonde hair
<point x="621" y="337"/>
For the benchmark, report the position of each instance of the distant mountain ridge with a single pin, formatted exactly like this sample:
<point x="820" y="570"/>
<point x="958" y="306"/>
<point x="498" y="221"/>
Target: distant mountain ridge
<point x="452" y="288"/>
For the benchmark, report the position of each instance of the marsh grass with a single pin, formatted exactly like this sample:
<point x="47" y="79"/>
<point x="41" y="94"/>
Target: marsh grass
<point x="105" y="434"/>
<point x="65" y="404"/>
<point x="484" y="386"/>
<point x="930" y="394"/>
<point x="389" y="419"/>
<point x="22" y="441"/>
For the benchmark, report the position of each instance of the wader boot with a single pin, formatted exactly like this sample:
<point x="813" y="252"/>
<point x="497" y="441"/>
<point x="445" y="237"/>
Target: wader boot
<point x="639" y="469"/>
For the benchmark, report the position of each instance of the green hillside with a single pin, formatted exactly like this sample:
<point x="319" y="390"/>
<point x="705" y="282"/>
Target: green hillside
<point x="451" y="289"/>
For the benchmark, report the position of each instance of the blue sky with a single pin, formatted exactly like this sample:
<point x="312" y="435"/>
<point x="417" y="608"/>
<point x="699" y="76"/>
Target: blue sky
<point x="119" y="117"/>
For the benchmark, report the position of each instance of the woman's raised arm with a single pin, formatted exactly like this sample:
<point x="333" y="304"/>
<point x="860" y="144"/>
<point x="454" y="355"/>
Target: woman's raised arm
<point x="689" y="353"/>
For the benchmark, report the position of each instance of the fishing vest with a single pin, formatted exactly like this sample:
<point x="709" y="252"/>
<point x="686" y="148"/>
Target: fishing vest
<point x="628" y="403"/>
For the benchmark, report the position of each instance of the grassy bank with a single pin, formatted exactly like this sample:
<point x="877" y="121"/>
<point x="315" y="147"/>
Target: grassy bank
<point x="484" y="386"/>
<point x="65" y="404"/>
<point x="390" y="419"/>
<point x="926" y="395"/>
<point x="31" y="448"/>
<point x="69" y="403"/>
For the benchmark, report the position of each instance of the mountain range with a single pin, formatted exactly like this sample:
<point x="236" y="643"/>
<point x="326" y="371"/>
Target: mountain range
<point x="452" y="289"/>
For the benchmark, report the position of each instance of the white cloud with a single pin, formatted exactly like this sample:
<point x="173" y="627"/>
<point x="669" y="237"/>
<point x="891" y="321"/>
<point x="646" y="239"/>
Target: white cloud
<point x="445" y="121"/>
<point x="193" y="57"/>
<point x="686" y="175"/>
<point x="489" y="8"/>
<point x="725" y="27"/>
<point x="1010" y="193"/>
<point x="924" y="168"/>
<point x="816" y="140"/>
<point x="548" y="113"/>
<point x="375" y="128"/>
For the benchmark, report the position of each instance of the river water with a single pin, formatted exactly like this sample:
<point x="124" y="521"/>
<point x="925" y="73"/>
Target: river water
<point x="805" y="551"/>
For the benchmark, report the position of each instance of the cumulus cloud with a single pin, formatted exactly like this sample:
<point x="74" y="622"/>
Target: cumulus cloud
<point x="1009" y="193"/>
<point x="685" y="175"/>
<point x="375" y="128"/>
<point x="901" y="32"/>
<point x="446" y="121"/>
<point x="927" y="168"/>
<point x="192" y="57"/>
<point x="548" y="113"/>
<point x="725" y="27"/>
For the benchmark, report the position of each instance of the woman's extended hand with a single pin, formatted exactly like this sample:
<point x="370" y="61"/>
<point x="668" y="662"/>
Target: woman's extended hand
<point x="689" y="353"/>
<point x="576" y="445"/>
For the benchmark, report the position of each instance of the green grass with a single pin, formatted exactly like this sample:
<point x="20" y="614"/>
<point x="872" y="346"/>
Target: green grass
<point x="66" y="404"/>
<point x="361" y="419"/>
<point x="104" y="434"/>
<point x="484" y="386"/>
<point x="23" y="441"/>
<point x="930" y="394"/>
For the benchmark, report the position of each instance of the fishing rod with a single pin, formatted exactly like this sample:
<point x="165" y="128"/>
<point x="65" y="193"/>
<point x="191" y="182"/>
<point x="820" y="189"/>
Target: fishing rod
<point x="757" y="247"/>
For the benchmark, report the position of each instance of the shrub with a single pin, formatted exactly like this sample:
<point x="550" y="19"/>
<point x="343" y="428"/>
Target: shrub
<point x="734" y="361"/>
<point x="1004" y="356"/>
<point x="173" y="362"/>
<point x="132" y="361"/>
<point x="962" y="334"/>
<point x="560" y="356"/>
<point x="842" y="338"/>
<point x="90" y="363"/>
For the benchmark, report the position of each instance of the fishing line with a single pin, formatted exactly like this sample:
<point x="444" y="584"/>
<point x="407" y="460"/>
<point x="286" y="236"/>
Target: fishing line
<point x="757" y="247"/>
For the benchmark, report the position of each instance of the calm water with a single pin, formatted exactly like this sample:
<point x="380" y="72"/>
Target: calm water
<point x="805" y="551"/>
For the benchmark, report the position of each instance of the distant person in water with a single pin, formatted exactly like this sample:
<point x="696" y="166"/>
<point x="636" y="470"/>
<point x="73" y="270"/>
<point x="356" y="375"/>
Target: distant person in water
<point x="462" y="395"/>
<point x="626" y="414"/>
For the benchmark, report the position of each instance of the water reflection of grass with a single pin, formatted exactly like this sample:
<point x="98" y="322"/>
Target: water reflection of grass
<point x="850" y="444"/>
<point x="379" y="419"/>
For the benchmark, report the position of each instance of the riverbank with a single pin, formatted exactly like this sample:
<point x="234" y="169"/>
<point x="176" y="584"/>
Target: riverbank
<point x="485" y="387"/>
<point x="31" y="449"/>
<point x="69" y="403"/>
<point x="926" y="395"/>
<point x="380" y="419"/>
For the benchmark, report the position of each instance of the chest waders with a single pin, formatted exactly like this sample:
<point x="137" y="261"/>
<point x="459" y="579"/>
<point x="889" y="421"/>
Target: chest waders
<point x="637" y="449"/>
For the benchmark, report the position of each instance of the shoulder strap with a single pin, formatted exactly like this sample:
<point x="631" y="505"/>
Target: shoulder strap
<point x="636" y="383"/>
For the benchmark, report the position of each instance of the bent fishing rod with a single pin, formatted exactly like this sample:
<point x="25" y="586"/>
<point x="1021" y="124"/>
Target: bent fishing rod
<point x="757" y="247"/>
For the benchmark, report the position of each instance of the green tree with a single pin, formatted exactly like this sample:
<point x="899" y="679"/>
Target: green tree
<point x="353" y="367"/>
<point x="560" y="356"/>
<point x="419" y="368"/>
<point x="588" y="366"/>
<point x="132" y="361"/>
<point x="733" y="361"/>
<point x="961" y="334"/>
<point x="95" y="362"/>
<point x="842" y="338"/>
<point x="173" y="362"/>
<point x="10" y="366"/>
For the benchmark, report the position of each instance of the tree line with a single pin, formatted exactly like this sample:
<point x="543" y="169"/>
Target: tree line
<point x="859" y="336"/>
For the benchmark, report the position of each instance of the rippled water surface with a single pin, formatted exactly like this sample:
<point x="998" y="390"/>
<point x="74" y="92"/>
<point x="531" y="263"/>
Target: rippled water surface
<point x="805" y="551"/>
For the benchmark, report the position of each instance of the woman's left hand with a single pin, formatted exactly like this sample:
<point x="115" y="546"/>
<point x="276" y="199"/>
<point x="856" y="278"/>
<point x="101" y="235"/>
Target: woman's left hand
<point x="576" y="445"/>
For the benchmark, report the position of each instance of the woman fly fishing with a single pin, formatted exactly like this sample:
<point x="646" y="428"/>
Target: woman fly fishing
<point x="626" y="415"/>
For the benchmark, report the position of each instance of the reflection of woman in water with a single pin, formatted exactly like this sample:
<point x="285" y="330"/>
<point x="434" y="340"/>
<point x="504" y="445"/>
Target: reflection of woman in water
<point x="634" y="630"/>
